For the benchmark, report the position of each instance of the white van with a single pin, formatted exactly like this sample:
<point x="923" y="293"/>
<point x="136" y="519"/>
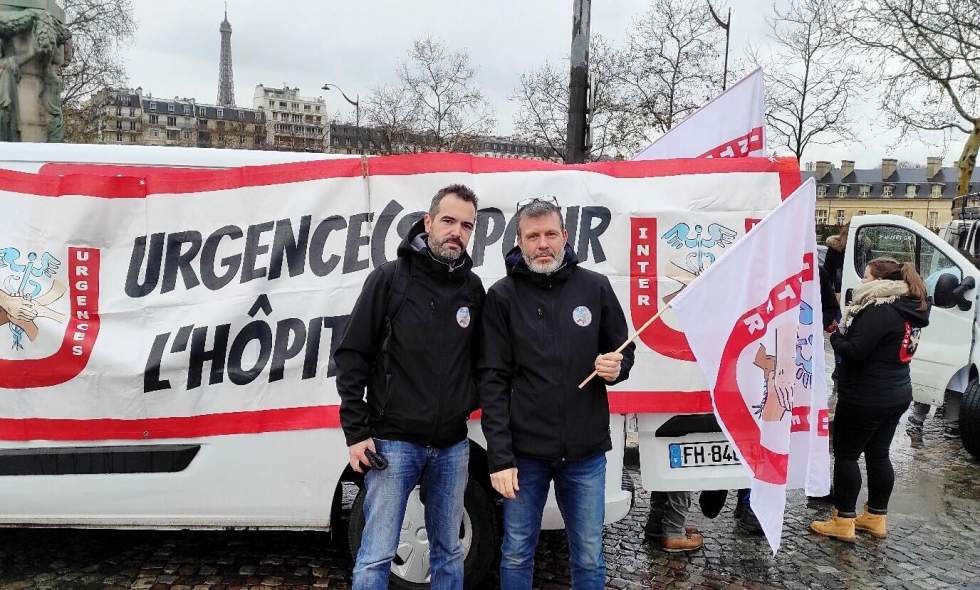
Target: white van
<point x="163" y="485"/>
<point x="948" y="357"/>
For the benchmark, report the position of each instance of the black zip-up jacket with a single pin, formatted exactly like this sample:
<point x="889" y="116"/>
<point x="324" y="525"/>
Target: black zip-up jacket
<point x="539" y="338"/>
<point x="828" y="300"/>
<point x="833" y="263"/>
<point x="876" y="351"/>
<point x="423" y="389"/>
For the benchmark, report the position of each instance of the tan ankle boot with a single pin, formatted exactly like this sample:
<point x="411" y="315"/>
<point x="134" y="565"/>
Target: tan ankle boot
<point x="876" y="524"/>
<point x="691" y="541"/>
<point x="837" y="527"/>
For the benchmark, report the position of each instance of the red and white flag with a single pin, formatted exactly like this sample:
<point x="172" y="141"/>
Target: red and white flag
<point x="760" y="346"/>
<point x="732" y="125"/>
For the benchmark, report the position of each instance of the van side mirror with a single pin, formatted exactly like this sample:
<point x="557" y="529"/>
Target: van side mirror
<point x="950" y="291"/>
<point x="959" y="293"/>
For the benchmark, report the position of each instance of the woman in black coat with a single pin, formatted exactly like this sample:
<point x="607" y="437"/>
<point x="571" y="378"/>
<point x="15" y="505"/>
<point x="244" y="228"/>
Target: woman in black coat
<point x="877" y="337"/>
<point x="833" y="261"/>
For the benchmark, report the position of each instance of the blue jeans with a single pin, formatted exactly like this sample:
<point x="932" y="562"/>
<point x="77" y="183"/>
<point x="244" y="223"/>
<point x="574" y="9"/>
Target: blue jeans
<point x="443" y="474"/>
<point x="580" y="488"/>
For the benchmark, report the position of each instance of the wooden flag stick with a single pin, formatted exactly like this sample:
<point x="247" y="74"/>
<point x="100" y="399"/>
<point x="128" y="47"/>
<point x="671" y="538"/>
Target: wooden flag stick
<point x="625" y="344"/>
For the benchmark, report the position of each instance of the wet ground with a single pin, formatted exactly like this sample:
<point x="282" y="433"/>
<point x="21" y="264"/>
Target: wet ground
<point x="934" y="542"/>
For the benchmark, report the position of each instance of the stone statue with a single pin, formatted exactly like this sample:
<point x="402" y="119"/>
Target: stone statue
<point x="35" y="46"/>
<point x="53" y="87"/>
<point x="9" y="79"/>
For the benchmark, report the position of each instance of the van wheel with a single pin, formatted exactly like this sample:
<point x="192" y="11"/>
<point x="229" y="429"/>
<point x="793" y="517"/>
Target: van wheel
<point x="970" y="419"/>
<point x="410" y="568"/>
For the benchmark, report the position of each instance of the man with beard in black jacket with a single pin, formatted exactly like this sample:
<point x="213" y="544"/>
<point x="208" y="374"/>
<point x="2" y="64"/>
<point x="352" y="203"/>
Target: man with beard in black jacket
<point x="546" y="326"/>
<point x="409" y="343"/>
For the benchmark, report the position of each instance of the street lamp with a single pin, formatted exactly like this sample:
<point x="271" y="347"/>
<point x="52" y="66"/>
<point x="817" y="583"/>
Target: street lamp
<point x="357" y="113"/>
<point x="726" y="25"/>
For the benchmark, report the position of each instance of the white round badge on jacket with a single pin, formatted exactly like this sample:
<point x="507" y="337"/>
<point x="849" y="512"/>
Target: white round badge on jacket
<point x="582" y="316"/>
<point x="463" y="316"/>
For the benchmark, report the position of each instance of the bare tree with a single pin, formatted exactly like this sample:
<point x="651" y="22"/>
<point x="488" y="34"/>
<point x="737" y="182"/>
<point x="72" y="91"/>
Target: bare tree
<point x="542" y="114"/>
<point x="927" y="55"/>
<point x="811" y="80"/>
<point x="671" y="64"/>
<point x="451" y="109"/>
<point x="98" y="29"/>
<point x="543" y="109"/>
<point x="394" y="113"/>
<point x="82" y="120"/>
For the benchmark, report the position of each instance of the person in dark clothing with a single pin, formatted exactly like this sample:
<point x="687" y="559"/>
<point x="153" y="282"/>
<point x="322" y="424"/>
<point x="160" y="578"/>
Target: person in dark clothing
<point x="833" y="267"/>
<point x="410" y="344"/>
<point x="828" y="301"/>
<point x="546" y="326"/>
<point x="833" y="262"/>
<point x="878" y="336"/>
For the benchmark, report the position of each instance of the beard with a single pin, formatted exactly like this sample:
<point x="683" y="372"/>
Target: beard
<point x="545" y="266"/>
<point x="443" y="251"/>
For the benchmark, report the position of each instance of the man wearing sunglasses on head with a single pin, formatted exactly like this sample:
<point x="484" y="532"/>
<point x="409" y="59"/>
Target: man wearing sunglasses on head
<point x="409" y="342"/>
<point x="547" y="325"/>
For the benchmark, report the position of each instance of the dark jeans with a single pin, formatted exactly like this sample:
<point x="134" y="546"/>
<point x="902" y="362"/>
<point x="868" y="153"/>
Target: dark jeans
<point x="862" y="429"/>
<point x="580" y="488"/>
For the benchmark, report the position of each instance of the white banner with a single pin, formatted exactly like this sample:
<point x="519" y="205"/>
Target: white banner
<point x="761" y="349"/>
<point x="188" y="303"/>
<point x="732" y="125"/>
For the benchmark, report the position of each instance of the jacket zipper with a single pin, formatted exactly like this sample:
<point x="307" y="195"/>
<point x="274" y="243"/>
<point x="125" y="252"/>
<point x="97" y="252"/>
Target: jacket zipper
<point x="384" y="402"/>
<point x="553" y="327"/>
<point x="439" y="341"/>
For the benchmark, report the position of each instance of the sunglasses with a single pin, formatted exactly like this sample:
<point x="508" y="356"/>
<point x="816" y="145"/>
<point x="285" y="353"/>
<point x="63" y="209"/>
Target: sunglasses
<point x="546" y="199"/>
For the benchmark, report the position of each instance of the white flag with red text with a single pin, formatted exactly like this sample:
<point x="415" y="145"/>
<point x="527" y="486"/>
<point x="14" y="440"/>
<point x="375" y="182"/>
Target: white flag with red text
<point x="732" y="125"/>
<point x="753" y="320"/>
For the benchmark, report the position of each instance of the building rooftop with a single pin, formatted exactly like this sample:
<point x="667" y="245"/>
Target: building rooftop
<point x="899" y="179"/>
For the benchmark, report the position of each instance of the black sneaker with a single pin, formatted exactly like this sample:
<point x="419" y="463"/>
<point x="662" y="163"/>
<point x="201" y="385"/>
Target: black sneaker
<point x="820" y="501"/>
<point x="748" y="522"/>
<point x="951" y="432"/>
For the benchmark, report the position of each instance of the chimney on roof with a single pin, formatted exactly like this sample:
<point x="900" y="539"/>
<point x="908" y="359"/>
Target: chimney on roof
<point x="888" y="167"/>
<point x="822" y="169"/>
<point x="933" y="165"/>
<point x="846" y="167"/>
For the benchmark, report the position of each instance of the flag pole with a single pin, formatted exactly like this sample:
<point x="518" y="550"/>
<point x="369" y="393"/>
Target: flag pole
<point x="627" y="343"/>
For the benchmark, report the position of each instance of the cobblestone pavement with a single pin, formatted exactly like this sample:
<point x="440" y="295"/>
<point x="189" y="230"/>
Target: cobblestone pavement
<point x="934" y="542"/>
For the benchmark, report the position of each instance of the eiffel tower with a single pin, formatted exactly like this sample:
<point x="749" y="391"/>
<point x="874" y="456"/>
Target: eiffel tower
<point x="226" y="81"/>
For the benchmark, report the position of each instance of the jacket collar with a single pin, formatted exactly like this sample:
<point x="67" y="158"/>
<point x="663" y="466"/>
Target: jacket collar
<point x="415" y="248"/>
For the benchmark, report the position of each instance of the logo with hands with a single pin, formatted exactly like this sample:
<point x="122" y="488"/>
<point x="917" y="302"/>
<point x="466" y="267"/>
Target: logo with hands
<point x="28" y="288"/>
<point x="780" y="379"/>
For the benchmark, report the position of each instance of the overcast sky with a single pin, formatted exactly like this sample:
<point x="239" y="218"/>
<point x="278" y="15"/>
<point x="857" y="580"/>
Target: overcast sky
<point x="358" y="45"/>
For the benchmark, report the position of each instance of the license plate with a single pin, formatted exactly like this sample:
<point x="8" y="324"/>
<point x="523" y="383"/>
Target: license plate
<point x="706" y="454"/>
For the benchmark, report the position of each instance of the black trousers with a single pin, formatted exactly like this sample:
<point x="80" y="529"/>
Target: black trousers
<point x="868" y="430"/>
